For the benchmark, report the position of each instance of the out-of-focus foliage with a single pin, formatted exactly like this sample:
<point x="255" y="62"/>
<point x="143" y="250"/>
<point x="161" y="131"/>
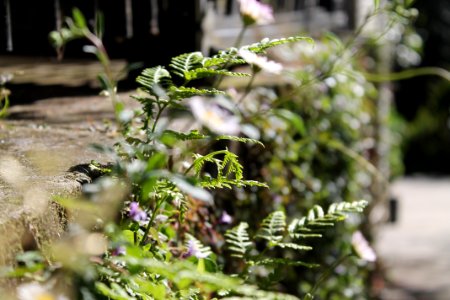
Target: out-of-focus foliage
<point x="4" y="93"/>
<point x="423" y="101"/>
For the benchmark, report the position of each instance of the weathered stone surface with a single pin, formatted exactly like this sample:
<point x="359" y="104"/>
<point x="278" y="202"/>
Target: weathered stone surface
<point x="39" y="144"/>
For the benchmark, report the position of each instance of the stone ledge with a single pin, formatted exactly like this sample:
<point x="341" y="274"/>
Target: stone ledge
<point x="48" y="143"/>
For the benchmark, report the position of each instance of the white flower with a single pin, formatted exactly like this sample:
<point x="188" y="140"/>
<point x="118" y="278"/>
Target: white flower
<point x="253" y="12"/>
<point x="362" y="247"/>
<point x="214" y="117"/>
<point x="261" y="61"/>
<point x="36" y="291"/>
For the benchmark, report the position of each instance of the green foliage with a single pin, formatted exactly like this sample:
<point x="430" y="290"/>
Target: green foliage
<point x="4" y="93"/>
<point x="228" y="168"/>
<point x="158" y="209"/>
<point x="238" y="240"/>
<point x="266" y="44"/>
<point x="273" y="227"/>
<point x="276" y="233"/>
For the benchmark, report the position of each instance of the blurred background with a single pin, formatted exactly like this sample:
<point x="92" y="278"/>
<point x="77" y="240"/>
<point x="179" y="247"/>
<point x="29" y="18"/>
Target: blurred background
<point x="413" y="240"/>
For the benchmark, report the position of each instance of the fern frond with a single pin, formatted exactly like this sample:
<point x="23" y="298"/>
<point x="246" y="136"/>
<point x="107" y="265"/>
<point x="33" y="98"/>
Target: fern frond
<point x="316" y="219"/>
<point x="238" y="240"/>
<point x="181" y="136"/>
<point x="196" y="246"/>
<point x="294" y="246"/>
<point x="190" y="294"/>
<point x="222" y="59"/>
<point x="207" y="72"/>
<point x="273" y="227"/>
<point x="147" y="104"/>
<point x="228" y="168"/>
<point x="186" y="62"/>
<point x="201" y="160"/>
<point x="285" y="261"/>
<point x="267" y="43"/>
<point x="339" y="208"/>
<point x="213" y="183"/>
<point x="151" y="78"/>
<point x="238" y="139"/>
<point x="182" y="92"/>
<point x="231" y="165"/>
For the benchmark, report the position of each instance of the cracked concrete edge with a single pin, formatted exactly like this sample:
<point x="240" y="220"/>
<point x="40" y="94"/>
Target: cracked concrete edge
<point x="23" y="228"/>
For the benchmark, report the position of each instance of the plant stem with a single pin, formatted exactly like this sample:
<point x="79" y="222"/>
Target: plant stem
<point x="158" y="115"/>
<point x="152" y="219"/>
<point x="328" y="272"/>
<point x="236" y="45"/>
<point x="240" y="36"/>
<point x="247" y="88"/>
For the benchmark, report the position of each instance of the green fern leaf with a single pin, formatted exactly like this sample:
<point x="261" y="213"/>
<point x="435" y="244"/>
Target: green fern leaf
<point x="182" y="92"/>
<point x="273" y="227"/>
<point x="294" y="246"/>
<point x="229" y="170"/>
<point x="213" y="183"/>
<point x="152" y="78"/>
<point x="238" y="240"/>
<point x="238" y="139"/>
<point x="339" y="208"/>
<point x="205" y="72"/>
<point x="185" y="63"/>
<point x="147" y="104"/>
<point x="267" y="43"/>
<point x="193" y="243"/>
<point x="285" y="261"/>
<point x="230" y="165"/>
<point x="316" y="219"/>
<point x="223" y="59"/>
<point x="181" y="136"/>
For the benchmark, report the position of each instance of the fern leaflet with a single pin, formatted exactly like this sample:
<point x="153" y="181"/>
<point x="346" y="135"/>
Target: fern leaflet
<point x="181" y="92"/>
<point x="153" y="77"/>
<point x="285" y="261"/>
<point x="238" y="240"/>
<point x="196" y="248"/>
<point x="184" y="63"/>
<point x="238" y="139"/>
<point x="205" y="72"/>
<point x="273" y="227"/>
<point x="316" y="218"/>
<point x="267" y="43"/>
<point x="223" y="59"/>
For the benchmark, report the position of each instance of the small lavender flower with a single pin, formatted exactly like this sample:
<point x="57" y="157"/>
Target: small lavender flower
<point x="254" y="12"/>
<point x="225" y="218"/>
<point x="120" y="250"/>
<point x="136" y="213"/>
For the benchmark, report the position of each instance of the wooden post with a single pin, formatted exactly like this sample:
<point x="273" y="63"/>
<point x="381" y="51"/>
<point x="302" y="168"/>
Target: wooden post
<point x="9" y="39"/>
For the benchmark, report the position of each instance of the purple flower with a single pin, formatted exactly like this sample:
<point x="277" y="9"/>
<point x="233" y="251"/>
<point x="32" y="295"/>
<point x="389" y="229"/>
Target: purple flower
<point x="225" y="218"/>
<point x="136" y="213"/>
<point x="120" y="250"/>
